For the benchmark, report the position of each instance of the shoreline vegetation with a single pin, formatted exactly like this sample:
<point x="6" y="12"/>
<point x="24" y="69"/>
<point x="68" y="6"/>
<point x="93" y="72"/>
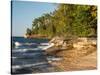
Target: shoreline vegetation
<point x="67" y="20"/>
<point x="73" y="30"/>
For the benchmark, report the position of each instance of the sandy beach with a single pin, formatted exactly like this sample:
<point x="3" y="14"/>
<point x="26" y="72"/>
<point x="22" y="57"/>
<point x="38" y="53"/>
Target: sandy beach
<point x="74" y="59"/>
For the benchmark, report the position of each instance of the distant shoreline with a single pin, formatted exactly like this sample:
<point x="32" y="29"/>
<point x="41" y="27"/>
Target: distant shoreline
<point x="37" y="36"/>
<point x="31" y="37"/>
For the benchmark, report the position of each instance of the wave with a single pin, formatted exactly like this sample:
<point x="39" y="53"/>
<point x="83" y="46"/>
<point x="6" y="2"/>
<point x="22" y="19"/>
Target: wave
<point x="19" y="50"/>
<point x="44" y="44"/>
<point x="26" y="55"/>
<point x="34" y="46"/>
<point x="17" y="44"/>
<point x="25" y="50"/>
<point x="52" y="58"/>
<point x="24" y="44"/>
<point x="23" y="57"/>
<point x="48" y="46"/>
<point x="28" y="65"/>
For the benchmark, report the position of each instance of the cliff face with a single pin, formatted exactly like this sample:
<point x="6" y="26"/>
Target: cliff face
<point x="77" y="54"/>
<point x="78" y="43"/>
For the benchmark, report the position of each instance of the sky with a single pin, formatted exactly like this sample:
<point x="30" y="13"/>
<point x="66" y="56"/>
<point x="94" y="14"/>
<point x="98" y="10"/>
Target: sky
<point x="24" y="12"/>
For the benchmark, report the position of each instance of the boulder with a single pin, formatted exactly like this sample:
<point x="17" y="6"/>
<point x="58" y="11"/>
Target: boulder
<point x="58" y="41"/>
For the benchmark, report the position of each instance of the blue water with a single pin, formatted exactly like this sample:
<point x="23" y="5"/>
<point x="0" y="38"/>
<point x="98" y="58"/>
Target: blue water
<point x="29" y="40"/>
<point x="29" y="56"/>
<point x="23" y="41"/>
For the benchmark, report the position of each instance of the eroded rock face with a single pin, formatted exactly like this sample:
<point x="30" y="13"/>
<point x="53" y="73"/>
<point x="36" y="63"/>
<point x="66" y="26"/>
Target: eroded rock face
<point x="80" y="54"/>
<point x="84" y="42"/>
<point x="80" y="43"/>
<point x="77" y="43"/>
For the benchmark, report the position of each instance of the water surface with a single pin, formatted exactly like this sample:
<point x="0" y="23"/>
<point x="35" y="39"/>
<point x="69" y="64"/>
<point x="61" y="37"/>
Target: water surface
<point x="29" y="56"/>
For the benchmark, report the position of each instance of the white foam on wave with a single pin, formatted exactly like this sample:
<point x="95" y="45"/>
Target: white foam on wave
<point x="20" y="50"/>
<point x="30" y="44"/>
<point x="50" y="45"/>
<point x="28" y="65"/>
<point x="46" y="47"/>
<point x="13" y="57"/>
<point x="26" y="49"/>
<point x="44" y="44"/>
<point x="54" y="58"/>
<point x="17" y="44"/>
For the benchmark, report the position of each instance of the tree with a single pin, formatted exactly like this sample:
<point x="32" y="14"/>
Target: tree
<point x="28" y="32"/>
<point x="67" y="20"/>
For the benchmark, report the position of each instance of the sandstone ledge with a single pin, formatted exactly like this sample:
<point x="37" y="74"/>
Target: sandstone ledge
<point x="77" y="54"/>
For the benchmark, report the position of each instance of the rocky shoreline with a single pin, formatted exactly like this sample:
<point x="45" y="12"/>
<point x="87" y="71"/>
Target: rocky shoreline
<point x="77" y="54"/>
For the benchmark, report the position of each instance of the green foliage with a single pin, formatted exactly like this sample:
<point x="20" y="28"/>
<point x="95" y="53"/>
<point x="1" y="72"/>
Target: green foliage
<point x="67" y="20"/>
<point x="28" y="32"/>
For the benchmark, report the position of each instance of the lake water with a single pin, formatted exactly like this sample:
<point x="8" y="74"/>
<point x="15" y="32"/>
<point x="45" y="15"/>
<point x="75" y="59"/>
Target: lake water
<point x="28" y="56"/>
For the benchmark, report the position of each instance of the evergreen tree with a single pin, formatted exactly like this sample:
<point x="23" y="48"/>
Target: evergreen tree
<point x="67" y="20"/>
